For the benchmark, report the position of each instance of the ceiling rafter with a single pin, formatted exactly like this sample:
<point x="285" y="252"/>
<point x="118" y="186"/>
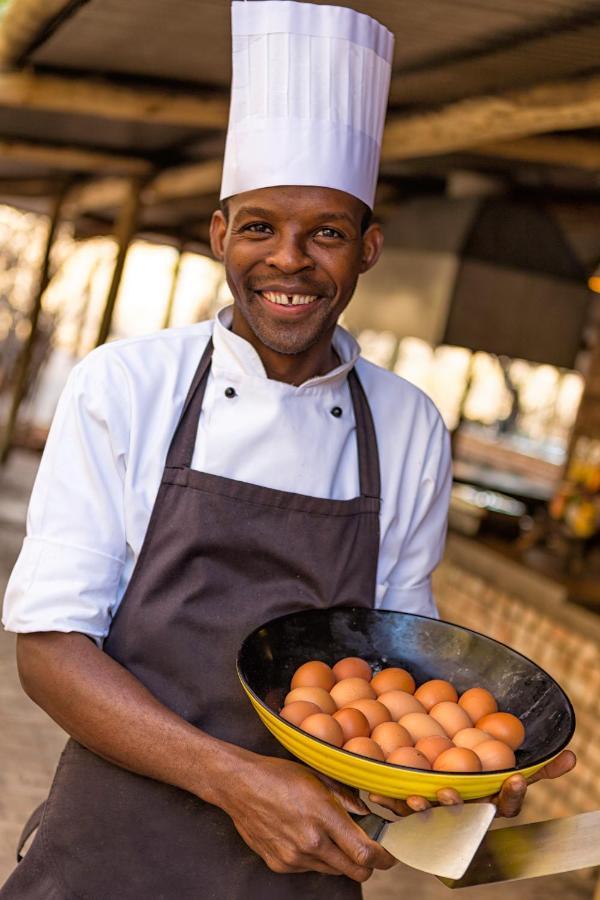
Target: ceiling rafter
<point x="553" y="106"/>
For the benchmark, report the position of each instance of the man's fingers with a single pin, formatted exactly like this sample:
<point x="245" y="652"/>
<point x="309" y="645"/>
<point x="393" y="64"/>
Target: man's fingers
<point x="563" y="763"/>
<point x="448" y="797"/>
<point x="355" y="844"/>
<point x="346" y="797"/>
<point x="398" y="807"/>
<point x="417" y="804"/>
<point x="511" y="796"/>
<point x="508" y="801"/>
<point x="341" y="862"/>
<point x="312" y="864"/>
<point x="306" y="864"/>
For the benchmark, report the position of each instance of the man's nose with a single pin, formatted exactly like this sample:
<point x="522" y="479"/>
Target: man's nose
<point x="289" y="255"/>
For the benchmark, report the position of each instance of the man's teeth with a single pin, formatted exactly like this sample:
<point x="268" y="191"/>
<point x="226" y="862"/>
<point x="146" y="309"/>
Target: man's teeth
<point x="289" y="299"/>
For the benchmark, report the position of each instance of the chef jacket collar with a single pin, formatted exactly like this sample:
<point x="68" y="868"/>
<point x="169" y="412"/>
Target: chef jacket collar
<point x="235" y="356"/>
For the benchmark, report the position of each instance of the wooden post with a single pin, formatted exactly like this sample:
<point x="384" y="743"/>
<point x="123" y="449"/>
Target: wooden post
<point x="87" y="298"/>
<point x="174" y="282"/>
<point x="26" y="354"/>
<point x="124" y="232"/>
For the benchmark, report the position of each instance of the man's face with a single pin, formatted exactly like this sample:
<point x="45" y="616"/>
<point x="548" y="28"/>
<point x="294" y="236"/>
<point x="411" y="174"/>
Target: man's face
<point x="292" y="257"/>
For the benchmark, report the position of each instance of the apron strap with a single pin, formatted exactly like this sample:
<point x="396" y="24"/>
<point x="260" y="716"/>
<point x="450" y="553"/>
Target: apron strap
<point x="181" y="450"/>
<point x="366" y="439"/>
<point x="30" y="826"/>
<point x="182" y="445"/>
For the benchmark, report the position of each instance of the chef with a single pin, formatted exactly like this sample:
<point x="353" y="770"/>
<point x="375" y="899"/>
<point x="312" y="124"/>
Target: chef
<point x="200" y="481"/>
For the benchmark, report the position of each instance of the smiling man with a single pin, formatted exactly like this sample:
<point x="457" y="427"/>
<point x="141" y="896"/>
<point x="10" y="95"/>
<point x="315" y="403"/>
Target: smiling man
<point x="293" y="256"/>
<point x="203" y="480"/>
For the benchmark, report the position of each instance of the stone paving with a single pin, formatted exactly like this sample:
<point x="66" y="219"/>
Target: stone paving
<point x="30" y="744"/>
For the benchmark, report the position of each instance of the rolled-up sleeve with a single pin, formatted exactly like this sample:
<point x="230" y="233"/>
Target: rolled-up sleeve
<point x="67" y="575"/>
<point x="408" y="586"/>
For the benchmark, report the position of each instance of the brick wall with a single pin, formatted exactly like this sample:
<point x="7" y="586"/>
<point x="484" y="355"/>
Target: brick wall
<point x="564" y="640"/>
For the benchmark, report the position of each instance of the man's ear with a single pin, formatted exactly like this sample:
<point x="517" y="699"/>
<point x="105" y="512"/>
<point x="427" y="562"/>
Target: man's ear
<point x="218" y="230"/>
<point x="372" y="245"/>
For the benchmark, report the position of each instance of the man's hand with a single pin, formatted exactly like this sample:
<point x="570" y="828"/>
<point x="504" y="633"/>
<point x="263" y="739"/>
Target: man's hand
<point x="508" y="801"/>
<point x="297" y="823"/>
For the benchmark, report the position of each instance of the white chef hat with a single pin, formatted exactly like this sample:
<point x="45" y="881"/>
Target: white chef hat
<point x="308" y="98"/>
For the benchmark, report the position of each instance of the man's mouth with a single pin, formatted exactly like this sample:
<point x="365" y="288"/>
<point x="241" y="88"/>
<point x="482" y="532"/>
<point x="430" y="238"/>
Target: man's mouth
<point x="289" y="299"/>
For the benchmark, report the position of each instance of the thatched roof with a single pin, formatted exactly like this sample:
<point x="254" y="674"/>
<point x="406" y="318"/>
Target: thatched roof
<point x="105" y="89"/>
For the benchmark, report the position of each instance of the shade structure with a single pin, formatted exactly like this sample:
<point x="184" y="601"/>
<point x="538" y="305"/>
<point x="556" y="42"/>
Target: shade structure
<point x="492" y="274"/>
<point x="519" y="290"/>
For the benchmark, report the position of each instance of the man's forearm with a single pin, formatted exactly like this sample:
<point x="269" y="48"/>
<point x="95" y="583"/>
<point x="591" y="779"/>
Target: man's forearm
<point x="105" y="708"/>
<point x="281" y="810"/>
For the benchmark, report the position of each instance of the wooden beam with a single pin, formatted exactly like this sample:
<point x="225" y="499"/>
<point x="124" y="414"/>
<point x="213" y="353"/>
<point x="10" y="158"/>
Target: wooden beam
<point x="72" y="159"/>
<point x="27" y="187"/>
<point x="22" y="23"/>
<point x="577" y="153"/>
<point x="185" y="181"/>
<point x="556" y="106"/>
<point x="97" y="195"/>
<point x="194" y="180"/>
<point x="111" y="100"/>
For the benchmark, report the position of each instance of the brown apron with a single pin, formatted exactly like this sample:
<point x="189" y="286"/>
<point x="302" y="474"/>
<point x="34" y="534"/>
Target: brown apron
<point x="219" y="557"/>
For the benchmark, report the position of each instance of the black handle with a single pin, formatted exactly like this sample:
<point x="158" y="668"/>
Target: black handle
<point x="371" y="824"/>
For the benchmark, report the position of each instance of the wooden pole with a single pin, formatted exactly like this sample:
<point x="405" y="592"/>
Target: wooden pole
<point x="26" y="354"/>
<point x="85" y="306"/>
<point x="172" y="292"/>
<point x="124" y="232"/>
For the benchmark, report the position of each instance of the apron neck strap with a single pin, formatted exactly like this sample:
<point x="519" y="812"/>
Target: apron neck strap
<point x="181" y="450"/>
<point x="366" y="439"/>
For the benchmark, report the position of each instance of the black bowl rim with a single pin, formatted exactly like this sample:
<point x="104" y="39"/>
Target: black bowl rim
<point x="378" y="762"/>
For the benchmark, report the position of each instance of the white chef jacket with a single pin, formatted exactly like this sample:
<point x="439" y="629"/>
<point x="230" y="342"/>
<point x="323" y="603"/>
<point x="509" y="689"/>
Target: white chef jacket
<point x="104" y="458"/>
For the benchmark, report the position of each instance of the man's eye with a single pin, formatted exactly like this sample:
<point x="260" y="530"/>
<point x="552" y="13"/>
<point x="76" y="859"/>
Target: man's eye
<point x="330" y="233"/>
<point x="258" y="228"/>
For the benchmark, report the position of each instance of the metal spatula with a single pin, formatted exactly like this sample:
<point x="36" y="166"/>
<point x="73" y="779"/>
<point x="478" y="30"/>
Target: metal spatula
<point x="530" y="851"/>
<point x="441" y="841"/>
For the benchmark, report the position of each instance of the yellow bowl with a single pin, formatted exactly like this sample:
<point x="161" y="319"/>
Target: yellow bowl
<point x="428" y="648"/>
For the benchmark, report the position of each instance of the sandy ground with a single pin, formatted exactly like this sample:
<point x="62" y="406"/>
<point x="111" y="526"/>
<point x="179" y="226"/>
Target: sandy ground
<point x="30" y="744"/>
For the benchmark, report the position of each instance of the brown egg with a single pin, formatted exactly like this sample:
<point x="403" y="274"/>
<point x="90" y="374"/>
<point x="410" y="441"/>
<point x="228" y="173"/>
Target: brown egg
<point x="432" y="746"/>
<point x="393" y="679"/>
<point x="324" y="727"/>
<point x="477" y="703"/>
<point x="470" y="737"/>
<point x="435" y="691"/>
<point x="314" y="695"/>
<point x="297" y="712"/>
<point x="409" y="756"/>
<point x="375" y="712"/>
<point x="352" y="667"/>
<point x="495" y="755"/>
<point x="314" y="674"/>
<point x="344" y="692"/>
<point x="457" y="759"/>
<point x="450" y="716"/>
<point x="504" y="727"/>
<point x="400" y="704"/>
<point x="353" y="723"/>
<point x="365" y="747"/>
<point x="420" y="725"/>
<point x="390" y="736"/>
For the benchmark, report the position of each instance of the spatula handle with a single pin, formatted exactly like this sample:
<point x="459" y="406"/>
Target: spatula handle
<point x="371" y="824"/>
